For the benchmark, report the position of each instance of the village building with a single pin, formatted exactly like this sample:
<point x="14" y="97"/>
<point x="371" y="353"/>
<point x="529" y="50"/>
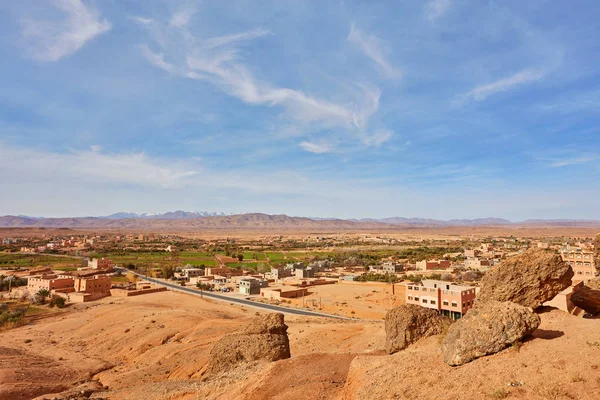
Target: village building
<point x="392" y="267"/>
<point x="582" y="262"/>
<point x="448" y="299"/>
<point x="250" y="286"/>
<point x="432" y="265"/>
<point x="282" y="293"/>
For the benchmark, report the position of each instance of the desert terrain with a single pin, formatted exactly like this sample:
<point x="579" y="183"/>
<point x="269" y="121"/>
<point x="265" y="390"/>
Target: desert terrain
<point x="156" y="346"/>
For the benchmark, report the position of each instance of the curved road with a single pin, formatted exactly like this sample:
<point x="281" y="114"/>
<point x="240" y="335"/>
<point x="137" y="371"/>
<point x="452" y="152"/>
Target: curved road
<point x="213" y="295"/>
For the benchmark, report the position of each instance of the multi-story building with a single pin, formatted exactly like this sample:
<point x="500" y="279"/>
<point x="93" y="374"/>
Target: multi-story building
<point x="582" y="262"/>
<point x="50" y="282"/>
<point x="392" y="267"/>
<point x="448" y="299"/>
<point x="431" y="265"/>
<point x="252" y="285"/>
<point x="93" y="284"/>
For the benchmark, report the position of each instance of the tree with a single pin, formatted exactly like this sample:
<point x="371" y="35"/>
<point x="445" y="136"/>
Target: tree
<point x="42" y="294"/>
<point x="57" y="301"/>
<point x="167" y="271"/>
<point x="240" y="257"/>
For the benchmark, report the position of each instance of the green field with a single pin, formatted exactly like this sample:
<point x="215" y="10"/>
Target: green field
<point x="10" y="260"/>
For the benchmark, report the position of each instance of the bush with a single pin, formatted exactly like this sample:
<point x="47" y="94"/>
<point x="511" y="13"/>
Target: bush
<point x="57" y="301"/>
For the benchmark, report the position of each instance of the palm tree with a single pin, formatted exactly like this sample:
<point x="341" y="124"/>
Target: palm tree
<point x="43" y="294"/>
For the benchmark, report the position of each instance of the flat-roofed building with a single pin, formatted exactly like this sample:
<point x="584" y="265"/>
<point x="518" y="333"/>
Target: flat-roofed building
<point x="252" y="285"/>
<point x="582" y="262"/>
<point x="448" y="299"/>
<point x="432" y="265"/>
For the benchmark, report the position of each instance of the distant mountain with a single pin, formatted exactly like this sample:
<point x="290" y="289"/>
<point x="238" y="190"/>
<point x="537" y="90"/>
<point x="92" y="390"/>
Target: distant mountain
<point x="182" y="220"/>
<point x="437" y="222"/>
<point x="168" y="215"/>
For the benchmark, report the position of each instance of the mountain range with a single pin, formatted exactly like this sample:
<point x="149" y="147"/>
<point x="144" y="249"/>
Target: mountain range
<point x="212" y="220"/>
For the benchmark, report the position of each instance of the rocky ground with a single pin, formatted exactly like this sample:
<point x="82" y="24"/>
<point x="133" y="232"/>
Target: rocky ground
<point x="157" y="346"/>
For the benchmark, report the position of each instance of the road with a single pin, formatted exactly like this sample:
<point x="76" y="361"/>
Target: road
<point x="212" y="295"/>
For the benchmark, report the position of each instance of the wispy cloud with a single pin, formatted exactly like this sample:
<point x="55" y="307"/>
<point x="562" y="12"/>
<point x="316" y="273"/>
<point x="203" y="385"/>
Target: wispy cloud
<point x="136" y="169"/>
<point x="437" y="8"/>
<point x="374" y="48"/>
<point x="141" y="20"/>
<point x="377" y="138"/>
<point x="316" y="148"/>
<point x="51" y="40"/>
<point x="218" y="61"/>
<point x="572" y="161"/>
<point x="230" y="39"/>
<point x="182" y="17"/>
<point x="502" y="85"/>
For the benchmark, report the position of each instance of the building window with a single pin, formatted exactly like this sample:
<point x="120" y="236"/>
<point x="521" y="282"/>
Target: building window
<point x="410" y="297"/>
<point x="445" y="303"/>
<point x="410" y="288"/>
<point x="454" y="304"/>
<point x="416" y="288"/>
<point x="425" y="301"/>
<point x="432" y="302"/>
<point x="416" y="299"/>
<point x="464" y="305"/>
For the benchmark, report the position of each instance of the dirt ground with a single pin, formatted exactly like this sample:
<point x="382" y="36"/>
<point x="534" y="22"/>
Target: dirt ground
<point x="151" y="347"/>
<point x="155" y="347"/>
<point x="365" y="300"/>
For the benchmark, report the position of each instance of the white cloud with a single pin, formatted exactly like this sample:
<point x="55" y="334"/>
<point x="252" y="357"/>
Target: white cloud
<point x="230" y="39"/>
<point x="572" y="161"/>
<point x="157" y="59"/>
<point x="316" y="148"/>
<point x="374" y="48"/>
<point x="141" y="20"/>
<point x="378" y="138"/>
<point x="520" y="78"/>
<point x="53" y="40"/>
<point x="437" y="8"/>
<point x="93" y="166"/>
<point x="182" y="17"/>
<point x="218" y="61"/>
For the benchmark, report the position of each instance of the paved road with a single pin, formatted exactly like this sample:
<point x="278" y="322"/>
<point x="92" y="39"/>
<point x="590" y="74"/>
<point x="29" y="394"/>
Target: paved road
<point x="212" y="295"/>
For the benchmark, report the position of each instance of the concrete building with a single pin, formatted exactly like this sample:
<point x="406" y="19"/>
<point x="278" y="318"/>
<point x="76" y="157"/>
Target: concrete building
<point x="280" y="273"/>
<point x="50" y="283"/>
<point x="448" y="299"/>
<point x="479" y="264"/>
<point x="103" y="263"/>
<point x="304" y="273"/>
<point x="432" y="265"/>
<point x="252" y="285"/>
<point x="276" y="294"/>
<point x="582" y="262"/>
<point x="93" y="284"/>
<point x="188" y="273"/>
<point x="392" y="267"/>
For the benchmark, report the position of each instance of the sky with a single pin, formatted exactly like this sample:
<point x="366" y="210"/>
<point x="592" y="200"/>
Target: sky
<point x="351" y="109"/>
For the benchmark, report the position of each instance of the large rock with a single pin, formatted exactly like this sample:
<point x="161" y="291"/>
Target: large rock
<point x="487" y="328"/>
<point x="588" y="297"/>
<point x="406" y="324"/>
<point x="264" y="339"/>
<point x="529" y="279"/>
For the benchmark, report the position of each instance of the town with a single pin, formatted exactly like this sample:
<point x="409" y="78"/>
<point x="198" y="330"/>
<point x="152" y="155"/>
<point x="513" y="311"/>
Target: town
<point x="348" y="274"/>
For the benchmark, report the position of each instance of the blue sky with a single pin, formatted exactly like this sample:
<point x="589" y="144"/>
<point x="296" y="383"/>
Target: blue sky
<point x="441" y="109"/>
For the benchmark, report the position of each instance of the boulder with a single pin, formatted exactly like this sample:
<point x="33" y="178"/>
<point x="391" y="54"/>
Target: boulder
<point x="529" y="279"/>
<point x="264" y="339"/>
<point x="487" y="328"/>
<point x="406" y="324"/>
<point x="588" y="297"/>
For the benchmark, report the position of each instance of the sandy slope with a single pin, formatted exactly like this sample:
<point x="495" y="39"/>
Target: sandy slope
<point x="139" y="343"/>
<point x="562" y="361"/>
<point x="155" y="346"/>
